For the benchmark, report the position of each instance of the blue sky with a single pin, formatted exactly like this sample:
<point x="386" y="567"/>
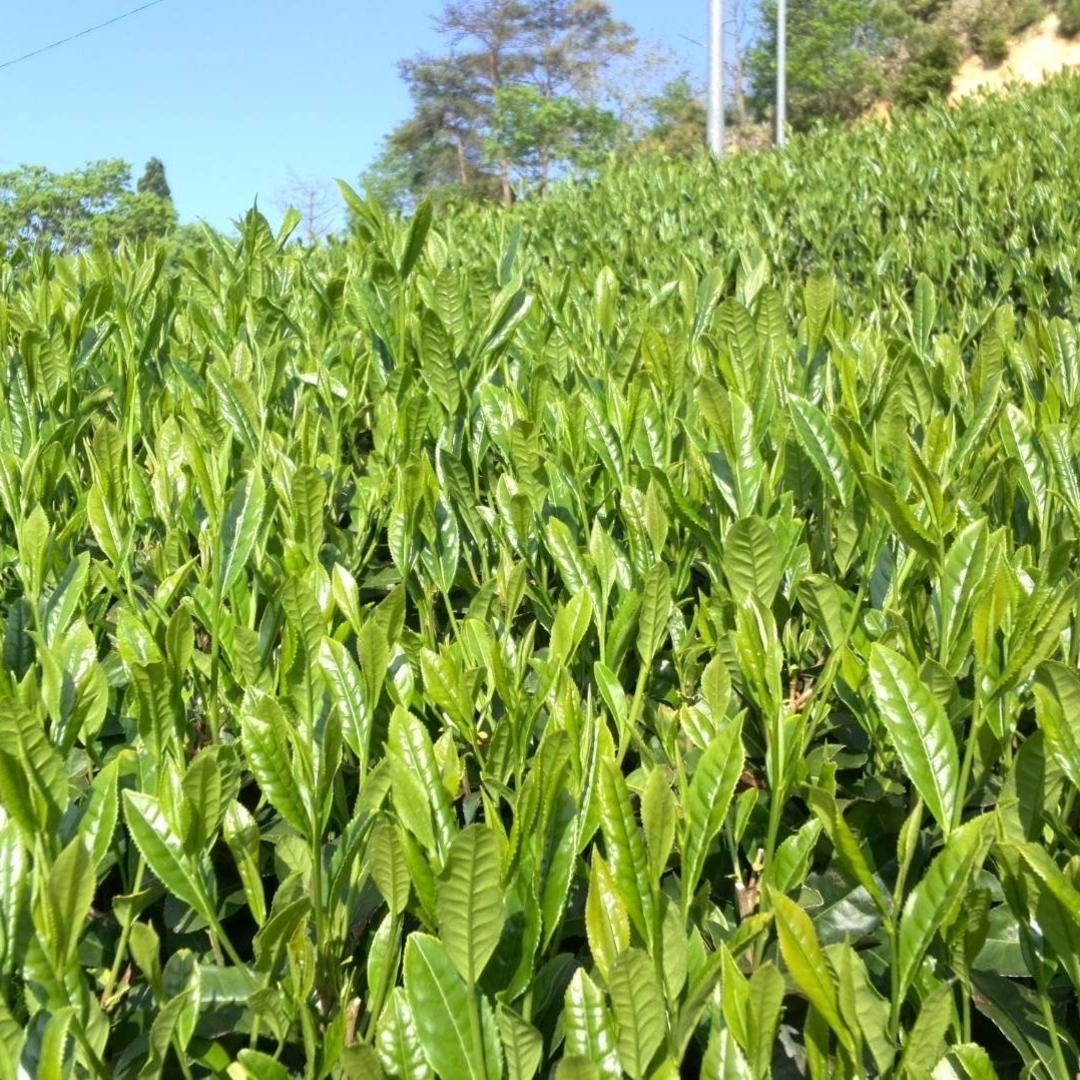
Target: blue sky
<point x="232" y="95"/>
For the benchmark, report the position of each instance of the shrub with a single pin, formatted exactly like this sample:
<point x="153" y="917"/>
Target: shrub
<point x="1069" y="14"/>
<point x="990" y="35"/>
<point x="929" y="73"/>
<point x="1026" y="13"/>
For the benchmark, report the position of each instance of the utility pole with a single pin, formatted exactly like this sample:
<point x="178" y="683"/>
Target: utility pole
<point x="716" y="77"/>
<point x="781" y="72"/>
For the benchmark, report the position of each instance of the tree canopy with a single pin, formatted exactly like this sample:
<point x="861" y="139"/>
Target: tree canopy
<point x="515" y="100"/>
<point x="833" y="69"/>
<point x="68" y="212"/>
<point x="153" y="182"/>
<point x="845" y="54"/>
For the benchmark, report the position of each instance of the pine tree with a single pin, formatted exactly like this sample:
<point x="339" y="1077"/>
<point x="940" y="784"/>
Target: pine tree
<point x="514" y="100"/>
<point x="153" y="182"/>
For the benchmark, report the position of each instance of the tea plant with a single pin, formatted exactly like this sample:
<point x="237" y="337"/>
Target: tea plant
<point x="542" y="644"/>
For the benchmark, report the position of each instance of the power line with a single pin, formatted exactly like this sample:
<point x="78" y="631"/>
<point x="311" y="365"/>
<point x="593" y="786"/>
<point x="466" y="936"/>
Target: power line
<point x="81" y="33"/>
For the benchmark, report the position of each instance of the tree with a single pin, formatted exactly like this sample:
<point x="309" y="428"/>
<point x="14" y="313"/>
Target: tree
<point x="933" y="56"/>
<point x="737" y="32"/>
<point x="834" y="59"/>
<point x="515" y="100"/>
<point x="677" y="121"/>
<point x="441" y="146"/>
<point x="570" y="44"/>
<point x="314" y="201"/>
<point x="70" y="211"/>
<point x="153" y="182"/>
<point x="533" y="131"/>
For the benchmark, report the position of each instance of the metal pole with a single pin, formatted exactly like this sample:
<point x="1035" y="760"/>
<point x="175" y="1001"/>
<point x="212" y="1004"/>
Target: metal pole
<point x="716" y="77"/>
<point x="781" y="72"/>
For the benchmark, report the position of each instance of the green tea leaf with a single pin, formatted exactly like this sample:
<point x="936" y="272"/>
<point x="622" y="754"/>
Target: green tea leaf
<point x="807" y="964"/>
<point x="625" y="848"/>
<point x="926" y="1040"/>
<point x="69" y="892"/>
<point x="638" y="1006"/>
<point x="163" y="850"/>
<point x="711" y="788"/>
<point x="764" y="1004"/>
<point x="655" y="609"/>
<point x="607" y="921"/>
<point x="1057" y="692"/>
<point x="753" y="562"/>
<point x="243" y="838"/>
<point x="818" y="440"/>
<point x="267" y="751"/>
<point x="240" y="529"/>
<point x="442" y="1005"/>
<point x="470" y="901"/>
<point x="389" y="868"/>
<point x="523" y="1045"/>
<point x="419" y="228"/>
<point x="658" y="811"/>
<point x="398" y="1040"/>
<point x="344" y="682"/>
<point x="920" y="731"/>
<point x="938" y="896"/>
<point x="588" y="1026"/>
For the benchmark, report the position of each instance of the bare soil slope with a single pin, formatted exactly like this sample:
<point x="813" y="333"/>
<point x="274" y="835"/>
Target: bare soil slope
<point x="1033" y="55"/>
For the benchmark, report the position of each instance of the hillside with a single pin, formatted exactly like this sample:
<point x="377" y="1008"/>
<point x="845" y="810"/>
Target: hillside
<point x="944" y="191"/>
<point x="635" y="633"/>
<point x="1037" y="53"/>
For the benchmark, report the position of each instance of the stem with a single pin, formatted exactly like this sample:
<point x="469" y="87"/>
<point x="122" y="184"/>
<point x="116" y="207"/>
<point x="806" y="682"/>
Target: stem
<point x="775" y="756"/>
<point x="181" y="1057"/>
<point x="375" y="1006"/>
<point x="97" y="1066"/>
<point x="474" y="1026"/>
<point x="629" y="732"/>
<point x="121" y="948"/>
<point x="733" y="849"/>
<point x="1074" y="650"/>
<point x="450" y="613"/>
<point x="969" y="758"/>
<point x="215" y="661"/>
<point x="1051" y="1027"/>
<point x="1067" y="809"/>
<point x="894" y="968"/>
<point x="231" y="952"/>
<point x="894" y="937"/>
<point x="829" y="671"/>
<point x="321" y="936"/>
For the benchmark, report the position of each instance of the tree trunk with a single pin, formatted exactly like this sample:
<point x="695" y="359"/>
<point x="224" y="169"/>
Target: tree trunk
<point x="741" y="116"/>
<point x="463" y="169"/>
<point x="506" y="192"/>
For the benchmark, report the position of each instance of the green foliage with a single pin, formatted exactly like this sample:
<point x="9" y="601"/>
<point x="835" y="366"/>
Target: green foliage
<point x="834" y="71"/>
<point x="515" y="102"/>
<point x="67" y="212"/>
<point x="633" y="635"/>
<point x="1025" y="13"/>
<point x="153" y="182"/>
<point x="676" y="121"/>
<point x="1069" y="18"/>
<point x="990" y="34"/>
<point x="536" y="133"/>
<point x="928" y="73"/>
